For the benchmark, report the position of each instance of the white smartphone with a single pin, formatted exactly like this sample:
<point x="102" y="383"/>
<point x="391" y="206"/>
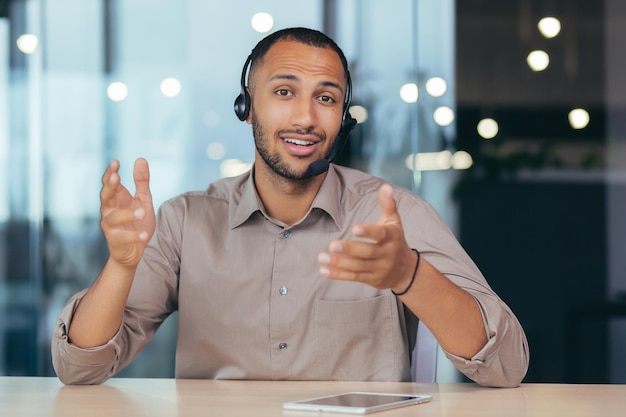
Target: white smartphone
<point x="356" y="402"/>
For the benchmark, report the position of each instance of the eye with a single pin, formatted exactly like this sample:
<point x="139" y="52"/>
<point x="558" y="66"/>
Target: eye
<point x="283" y="92"/>
<point x="326" y="99"/>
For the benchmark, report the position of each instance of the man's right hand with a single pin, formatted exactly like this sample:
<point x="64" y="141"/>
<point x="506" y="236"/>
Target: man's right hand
<point x="128" y="222"/>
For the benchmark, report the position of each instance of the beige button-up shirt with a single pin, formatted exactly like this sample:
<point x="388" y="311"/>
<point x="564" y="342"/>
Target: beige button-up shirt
<point x="252" y="305"/>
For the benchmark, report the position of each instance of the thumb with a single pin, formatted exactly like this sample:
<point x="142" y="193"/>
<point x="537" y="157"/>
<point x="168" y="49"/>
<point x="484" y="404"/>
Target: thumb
<point x="141" y="176"/>
<point x="389" y="212"/>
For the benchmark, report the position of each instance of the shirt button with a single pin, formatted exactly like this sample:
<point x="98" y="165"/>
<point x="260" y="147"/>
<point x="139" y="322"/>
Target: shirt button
<point x="287" y="234"/>
<point x="283" y="290"/>
<point x="282" y="346"/>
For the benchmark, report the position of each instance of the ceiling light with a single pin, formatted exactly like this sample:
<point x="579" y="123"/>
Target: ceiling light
<point x="27" y="43"/>
<point x="578" y="118"/>
<point x="359" y="113"/>
<point x="436" y="86"/>
<point x="443" y="115"/>
<point x="170" y="87"/>
<point x="549" y="27"/>
<point x="409" y="93"/>
<point x="538" y="60"/>
<point x="262" y="22"/>
<point x="487" y="128"/>
<point x="117" y="91"/>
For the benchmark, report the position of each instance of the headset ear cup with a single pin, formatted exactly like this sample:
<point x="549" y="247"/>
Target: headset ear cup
<point x="242" y="102"/>
<point x="347" y="124"/>
<point x="242" y="105"/>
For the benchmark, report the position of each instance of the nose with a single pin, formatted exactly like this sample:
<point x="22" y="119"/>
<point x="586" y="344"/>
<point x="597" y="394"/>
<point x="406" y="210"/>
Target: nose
<point x="303" y="113"/>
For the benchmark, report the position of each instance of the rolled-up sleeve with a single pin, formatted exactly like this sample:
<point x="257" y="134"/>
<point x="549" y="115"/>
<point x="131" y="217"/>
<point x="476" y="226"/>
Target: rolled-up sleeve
<point x="503" y="361"/>
<point x="153" y="297"/>
<point x="75" y="365"/>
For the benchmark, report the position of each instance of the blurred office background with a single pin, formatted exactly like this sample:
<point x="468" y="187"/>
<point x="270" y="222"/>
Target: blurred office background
<point x="510" y="124"/>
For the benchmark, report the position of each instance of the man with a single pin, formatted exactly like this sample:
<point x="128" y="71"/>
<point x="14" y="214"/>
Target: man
<point x="296" y="270"/>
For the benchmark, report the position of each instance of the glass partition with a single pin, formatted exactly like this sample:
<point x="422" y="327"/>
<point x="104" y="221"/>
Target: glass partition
<point x="86" y="81"/>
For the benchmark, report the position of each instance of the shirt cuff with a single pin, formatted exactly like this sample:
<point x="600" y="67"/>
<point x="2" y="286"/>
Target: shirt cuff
<point x="503" y="361"/>
<point x="75" y="365"/>
<point x="475" y="368"/>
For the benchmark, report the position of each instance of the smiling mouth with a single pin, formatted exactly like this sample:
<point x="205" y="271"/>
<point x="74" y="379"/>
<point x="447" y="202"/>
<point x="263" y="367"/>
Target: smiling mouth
<point x="299" y="142"/>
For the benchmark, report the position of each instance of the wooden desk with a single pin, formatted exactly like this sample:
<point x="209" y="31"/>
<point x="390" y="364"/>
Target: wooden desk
<point x="41" y="397"/>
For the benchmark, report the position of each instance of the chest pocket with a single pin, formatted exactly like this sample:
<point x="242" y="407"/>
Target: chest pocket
<point x="355" y="340"/>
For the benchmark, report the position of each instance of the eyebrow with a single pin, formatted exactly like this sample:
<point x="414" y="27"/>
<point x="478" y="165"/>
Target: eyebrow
<point x="292" y="77"/>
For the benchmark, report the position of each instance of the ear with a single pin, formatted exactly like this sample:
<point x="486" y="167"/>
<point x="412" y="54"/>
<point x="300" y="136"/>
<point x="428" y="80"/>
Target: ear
<point x="250" y="107"/>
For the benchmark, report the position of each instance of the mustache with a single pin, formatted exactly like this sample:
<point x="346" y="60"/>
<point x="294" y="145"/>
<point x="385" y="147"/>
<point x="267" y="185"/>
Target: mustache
<point x="310" y="131"/>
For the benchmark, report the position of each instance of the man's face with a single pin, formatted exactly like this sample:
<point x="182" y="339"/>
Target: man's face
<point x="297" y="106"/>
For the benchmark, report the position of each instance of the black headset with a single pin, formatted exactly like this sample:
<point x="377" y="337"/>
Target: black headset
<point x="242" y="109"/>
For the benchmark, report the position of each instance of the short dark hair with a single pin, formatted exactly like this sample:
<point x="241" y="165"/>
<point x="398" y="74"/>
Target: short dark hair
<point x="302" y="35"/>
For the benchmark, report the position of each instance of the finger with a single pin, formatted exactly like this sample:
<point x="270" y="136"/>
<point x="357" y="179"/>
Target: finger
<point x="110" y="183"/>
<point x="353" y="248"/>
<point x="350" y="255"/>
<point x="344" y="274"/>
<point x="351" y="269"/>
<point x="371" y="233"/>
<point x="333" y="265"/>
<point x="121" y="217"/>
<point x="141" y="176"/>
<point x="347" y="263"/>
<point x="389" y="212"/>
<point x="121" y="237"/>
<point x="114" y="166"/>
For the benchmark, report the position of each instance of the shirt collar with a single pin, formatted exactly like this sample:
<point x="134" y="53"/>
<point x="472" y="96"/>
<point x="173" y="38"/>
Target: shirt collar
<point x="330" y="196"/>
<point x="245" y="201"/>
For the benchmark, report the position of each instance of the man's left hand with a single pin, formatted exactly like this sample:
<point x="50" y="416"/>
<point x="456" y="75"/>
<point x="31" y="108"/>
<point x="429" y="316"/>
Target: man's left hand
<point x="379" y="256"/>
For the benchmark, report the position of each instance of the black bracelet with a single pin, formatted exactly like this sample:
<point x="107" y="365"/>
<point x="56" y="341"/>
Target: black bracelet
<point x="417" y="264"/>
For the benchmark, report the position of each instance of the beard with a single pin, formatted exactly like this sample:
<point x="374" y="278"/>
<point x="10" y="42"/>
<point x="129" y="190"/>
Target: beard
<point x="273" y="160"/>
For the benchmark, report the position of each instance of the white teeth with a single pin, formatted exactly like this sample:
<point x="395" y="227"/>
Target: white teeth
<point x="298" y="142"/>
